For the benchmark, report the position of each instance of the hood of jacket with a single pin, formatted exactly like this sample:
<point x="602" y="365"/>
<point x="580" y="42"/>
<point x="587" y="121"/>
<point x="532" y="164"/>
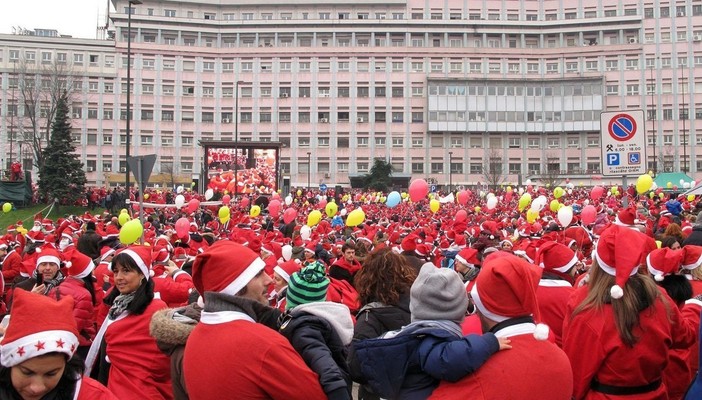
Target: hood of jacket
<point x="338" y="316"/>
<point x="172" y="327"/>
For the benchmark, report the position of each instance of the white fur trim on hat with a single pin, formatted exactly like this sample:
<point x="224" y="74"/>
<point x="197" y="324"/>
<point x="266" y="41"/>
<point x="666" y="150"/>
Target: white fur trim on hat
<point x="657" y="275"/>
<point x="139" y="262"/>
<point x="49" y="258"/>
<point x="282" y="273"/>
<point x="479" y="304"/>
<point x="37" y="344"/>
<point x="693" y="265"/>
<point x="464" y="262"/>
<point x="245" y="277"/>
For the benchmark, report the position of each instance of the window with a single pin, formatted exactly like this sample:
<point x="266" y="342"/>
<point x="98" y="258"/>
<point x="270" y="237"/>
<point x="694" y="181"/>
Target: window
<point x="169" y="13"/>
<point x="515" y="143"/>
<point x="534" y="143"/>
<point x="398" y="142"/>
<point x="362" y="141"/>
<point x="514" y="168"/>
<point x="417" y="168"/>
<point x="380" y="142"/>
<point x="437" y="168"/>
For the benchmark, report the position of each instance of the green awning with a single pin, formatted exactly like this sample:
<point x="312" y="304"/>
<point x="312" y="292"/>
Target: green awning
<point x="674" y="178"/>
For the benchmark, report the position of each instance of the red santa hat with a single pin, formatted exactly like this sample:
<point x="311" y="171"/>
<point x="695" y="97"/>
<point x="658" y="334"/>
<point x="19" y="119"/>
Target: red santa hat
<point x="554" y="256"/>
<point x="618" y="254"/>
<point x="225" y="267"/>
<point x="422" y="250"/>
<point x="626" y="217"/>
<point x="141" y="255"/>
<point x="79" y="265"/>
<point x="311" y="247"/>
<point x="35" y="236"/>
<point x="468" y="257"/>
<point x="409" y="243"/>
<point x="526" y="249"/>
<point x="692" y="256"/>
<point x="662" y="262"/>
<point x="506" y="288"/>
<point x="40" y="325"/>
<point x="459" y="241"/>
<point x="3" y="245"/>
<point x="160" y="254"/>
<point x="286" y="269"/>
<point x="48" y="254"/>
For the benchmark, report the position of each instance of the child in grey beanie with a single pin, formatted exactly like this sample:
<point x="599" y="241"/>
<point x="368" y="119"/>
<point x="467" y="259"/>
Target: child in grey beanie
<point x="431" y="348"/>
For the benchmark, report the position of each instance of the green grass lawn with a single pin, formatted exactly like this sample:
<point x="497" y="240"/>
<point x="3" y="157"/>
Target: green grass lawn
<point x="27" y="214"/>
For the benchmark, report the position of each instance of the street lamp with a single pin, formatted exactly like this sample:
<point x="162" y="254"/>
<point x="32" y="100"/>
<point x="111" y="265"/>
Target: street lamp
<point x="309" y="169"/>
<point x="450" y="171"/>
<point x="129" y="86"/>
<point x="236" y="136"/>
<point x="683" y="116"/>
<point x="655" y="115"/>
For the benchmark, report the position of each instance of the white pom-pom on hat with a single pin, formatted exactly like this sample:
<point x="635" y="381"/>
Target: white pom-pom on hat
<point x="68" y="264"/>
<point x="541" y="332"/>
<point x="658" y="277"/>
<point x="616" y="292"/>
<point x="38" y="250"/>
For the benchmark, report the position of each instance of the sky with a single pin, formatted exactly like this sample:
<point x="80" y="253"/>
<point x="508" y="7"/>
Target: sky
<point x="77" y="18"/>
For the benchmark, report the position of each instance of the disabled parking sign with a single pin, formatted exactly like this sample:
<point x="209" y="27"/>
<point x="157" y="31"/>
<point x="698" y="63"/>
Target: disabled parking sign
<point x="623" y="143"/>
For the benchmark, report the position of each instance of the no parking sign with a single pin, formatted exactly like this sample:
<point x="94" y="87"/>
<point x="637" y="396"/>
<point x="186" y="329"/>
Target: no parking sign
<point x="623" y="143"/>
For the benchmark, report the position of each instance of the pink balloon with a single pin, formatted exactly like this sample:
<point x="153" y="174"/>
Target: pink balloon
<point x="275" y="196"/>
<point x="226" y="199"/>
<point x="537" y="227"/>
<point x="274" y="207"/>
<point x="508" y="197"/>
<point x="462" y="197"/>
<point x="418" y="190"/>
<point x="322" y="203"/>
<point x="588" y="215"/>
<point x="182" y="226"/>
<point x="193" y="205"/>
<point x="596" y="192"/>
<point x="245" y="202"/>
<point x="461" y="215"/>
<point x="289" y="215"/>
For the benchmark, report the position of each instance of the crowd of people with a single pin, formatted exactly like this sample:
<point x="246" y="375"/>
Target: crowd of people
<point x="479" y="295"/>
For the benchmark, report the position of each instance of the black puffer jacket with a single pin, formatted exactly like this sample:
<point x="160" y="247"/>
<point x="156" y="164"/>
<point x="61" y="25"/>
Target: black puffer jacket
<point x="695" y="237"/>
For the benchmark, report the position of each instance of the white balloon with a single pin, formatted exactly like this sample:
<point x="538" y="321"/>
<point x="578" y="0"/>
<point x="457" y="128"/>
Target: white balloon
<point x="288" y="200"/>
<point x="570" y="191"/>
<point x="208" y="194"/>
<point x="682" y="181"/>
<point x="491" y="202"/>
<point x="586" y="202"/>
<point x="565" y="216"/>
<point x="686" y="185"/>
<point x="343" y="212"/>
<point x="490" y="195"/>
<point x="528" y="181"/>
<point x="180" y="201"/>
<point x="305" y="232"/>
<point x="520" y="190"/>
<point x="179" y="189"/>
<point x="287" y="252"/>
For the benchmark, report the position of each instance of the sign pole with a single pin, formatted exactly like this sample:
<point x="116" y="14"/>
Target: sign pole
<point x="141" y="195"/>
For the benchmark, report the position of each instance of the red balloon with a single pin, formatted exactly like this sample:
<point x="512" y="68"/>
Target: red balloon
<point x="274" y="207"/>
<point x="322" y="203"/>
<point x="182" y="226"/>
<point x="461" y="215"/>
<point x="596" y="192"/>
<point x="537" y="227"/>
<point x="226" y="199"/>
<point x="508" y="197"/>
<point x="245" y="202"/>
<point x="462" y="197"/>
<point x="418" y="190"/>
<point x="588" y="215"/>
<point x="289" y="215"/>
<point x="193" y="205"/>
<point x="275" y="196"/>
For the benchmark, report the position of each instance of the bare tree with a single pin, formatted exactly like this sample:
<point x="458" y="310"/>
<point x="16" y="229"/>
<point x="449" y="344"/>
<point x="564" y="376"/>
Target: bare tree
<point x="493" y="168"/>
<point x="551" y="170"/>
<point x="39" y="87"/>
<point x="171" y="171"/>
<point x="666" y="158"/>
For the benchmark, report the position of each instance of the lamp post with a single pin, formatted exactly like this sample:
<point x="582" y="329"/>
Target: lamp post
<point x="236" y="136"/>
<point x="683" y="116"/>
<point x="309" y="169"/>
<point x="129" y="86"/>
<point x="655" y="116"/>
<point x="450" y="171"/>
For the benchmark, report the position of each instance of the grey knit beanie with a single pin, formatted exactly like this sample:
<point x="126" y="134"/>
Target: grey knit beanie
<point x="438" y="294"/>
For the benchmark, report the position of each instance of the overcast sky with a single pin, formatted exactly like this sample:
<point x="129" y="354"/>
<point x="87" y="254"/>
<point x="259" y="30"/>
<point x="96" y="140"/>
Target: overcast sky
<point x="77" y="18"/>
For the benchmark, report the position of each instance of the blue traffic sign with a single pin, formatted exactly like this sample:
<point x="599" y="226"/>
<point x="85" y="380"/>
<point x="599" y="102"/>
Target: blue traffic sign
<point x="433" y="188"/>
<point x="635" y="158"/>
<point x="612" y="159"/>
<point x="622" y="127"/>
<point x="323" y="187"/>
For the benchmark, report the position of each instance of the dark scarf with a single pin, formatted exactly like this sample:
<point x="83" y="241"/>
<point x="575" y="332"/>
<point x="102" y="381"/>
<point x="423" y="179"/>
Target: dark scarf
<point x="51" y="283"/>
<point x="120" y="304"/>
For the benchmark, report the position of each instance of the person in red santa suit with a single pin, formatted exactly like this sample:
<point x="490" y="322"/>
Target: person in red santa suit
<point x="346" y="267"/>
<point x="123" y="354"/>
<point x="171" y="283"/>
<point x="281" y="278"/>
<point x="534" y="368"/>
<point x="556" y="285"/>
<point x="11" y="263"/>
<point x="37" y="353"/>
<point x="219" y="362"/>
<point x="620" y="328"/>
<point x="692" y="266"/>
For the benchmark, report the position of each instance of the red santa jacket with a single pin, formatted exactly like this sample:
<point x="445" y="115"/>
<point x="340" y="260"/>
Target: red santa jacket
<point x="174" y="290"/>
<point x="11" y="266"/>
<point x="531" y="370"/>
<point x="553" y="295"/>
<point x="83" y="310"/>
<point x="90" y="389"/>
<point x="596" y="351"/>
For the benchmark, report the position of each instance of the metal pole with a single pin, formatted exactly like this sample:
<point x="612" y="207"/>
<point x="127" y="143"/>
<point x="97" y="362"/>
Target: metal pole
<point x="12" y="115"/>
<point x="655" y="116"/>
<point x="450" y="171"/>
<point x="683" y="116"/>
<point x="140" y="182"/>
<point x="236" y="137"/>
<point x="129" y="90"/>
<point x="309" y="170"/>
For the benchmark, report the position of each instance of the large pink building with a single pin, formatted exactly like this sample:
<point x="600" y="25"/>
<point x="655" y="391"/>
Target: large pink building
<point x="442" y="90"/>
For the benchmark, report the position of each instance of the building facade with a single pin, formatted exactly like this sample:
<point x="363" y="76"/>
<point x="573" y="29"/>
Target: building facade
<point x="441" y="90"/>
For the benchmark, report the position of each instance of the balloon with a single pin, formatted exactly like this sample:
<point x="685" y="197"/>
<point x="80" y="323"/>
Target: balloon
<point x="434" y="205"/>
<point x="565" y="216"/>
<point x="224" y="214"/>
<point x="193" y="205"/>
<point x="299" y="192"/>
<point x="331" y="209"/>
<point x="131" y="232"/>
<point x="393" y="200"/>
<point x="554" y="205"/>
<point x="686" y="185"/>
<point x="7" y="207"/>
<point x="146" y="196"/>
<point x="461" y="216"/>
<point x="417" y="190"/>
<point x="356" y="217"/>
<point x="180" y="201"/>
<point x="404" y="195"/>
<point x="682" y="181"/>
<point x="123" y="218"/>
<point x="492" y="203"/>
<point x="343" y="212"/>
<point x="179" y="189"/>
<point x="588" y="214"/>
<point x="528" y="181"/>
<point x="226" y="199"/>
<point x="314" y="217"/>
<point x="182" y="227"/>
<point x="690" y="197"/>
<point x="288" y="200"/>
<point x="644" y="183"/>
<point x="509" y="189"/>
<point x="305" y="232"/>
<point x="124" y="211"/>
<point x="532" y="216"/>
<point x="274" y="207"/>
<point x="289" y="215"/>
<point x="462" y="197"/>
<point x="322" y="203"/>
<point x="669" y="185"/>
<point x="477" y="209"/>
<point x="596" y="192"/>
<point x="255" y="211"/>
<point x="558" y="192"/>
<point x="245" y="202"/>
<point x="287" y="252"/>
<point x="661" y="195"/>
<point x="208" y="194"/>
<point x="524" y="201"/>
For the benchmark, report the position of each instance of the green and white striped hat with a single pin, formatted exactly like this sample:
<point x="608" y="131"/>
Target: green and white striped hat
<point x="307" y="285"/>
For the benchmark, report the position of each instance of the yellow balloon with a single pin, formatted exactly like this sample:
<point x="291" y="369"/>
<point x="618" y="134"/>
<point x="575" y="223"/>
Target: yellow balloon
<point x="22" y="230"/>
<point x="313" y="218"/>
<point x="661" y="195"/>
<point x="434" y="205"/>
<point x="644" y="183"/>
<point x="123" y="218"/>
<point x="224" y="220"/>
<point x="146" y="196"/>
<point x="524" y="201"/>
<point x="554" y="205"/>
<point x="331" y="209"/>
<point x="690" y="197"/>
<point x="669" y="185"/>
<point x="659" y="244"/>
<point x="509" y="189"/>
<point x="299" y="192"/>
<point x="123" y="211"/>
<point x="477" y="209"/>
<point x="131" y="232"/>
<point x="532" y="216"/>
<point x="558" y="192"/>
<point x="355" y="218"/>
<point x="7" y="207"/>
<point x="224" y="213"/>
<point x="255" y="211"/>
<point x="403" y="195"/>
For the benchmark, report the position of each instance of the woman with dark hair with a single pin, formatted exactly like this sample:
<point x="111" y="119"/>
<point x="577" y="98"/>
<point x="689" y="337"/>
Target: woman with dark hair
<point x="37" y="353"/>
<point x="124" y="355"/>
<point x="620" y="328"/>
<point x="383" y="286"/>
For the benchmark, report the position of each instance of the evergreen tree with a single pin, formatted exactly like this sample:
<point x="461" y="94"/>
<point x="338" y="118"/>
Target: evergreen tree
<point x="380" y="176"/>
<point x="62" y="174"/>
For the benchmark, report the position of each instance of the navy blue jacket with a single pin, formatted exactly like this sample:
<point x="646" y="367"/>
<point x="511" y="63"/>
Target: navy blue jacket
<point x="410" y="365"/>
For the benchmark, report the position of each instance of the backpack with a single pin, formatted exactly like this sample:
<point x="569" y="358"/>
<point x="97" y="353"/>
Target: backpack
<point x="341" y="291"/>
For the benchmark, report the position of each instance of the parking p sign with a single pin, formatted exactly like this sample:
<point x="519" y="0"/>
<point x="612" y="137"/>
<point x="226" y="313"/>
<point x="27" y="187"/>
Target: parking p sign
<point x="623" y="143"/>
